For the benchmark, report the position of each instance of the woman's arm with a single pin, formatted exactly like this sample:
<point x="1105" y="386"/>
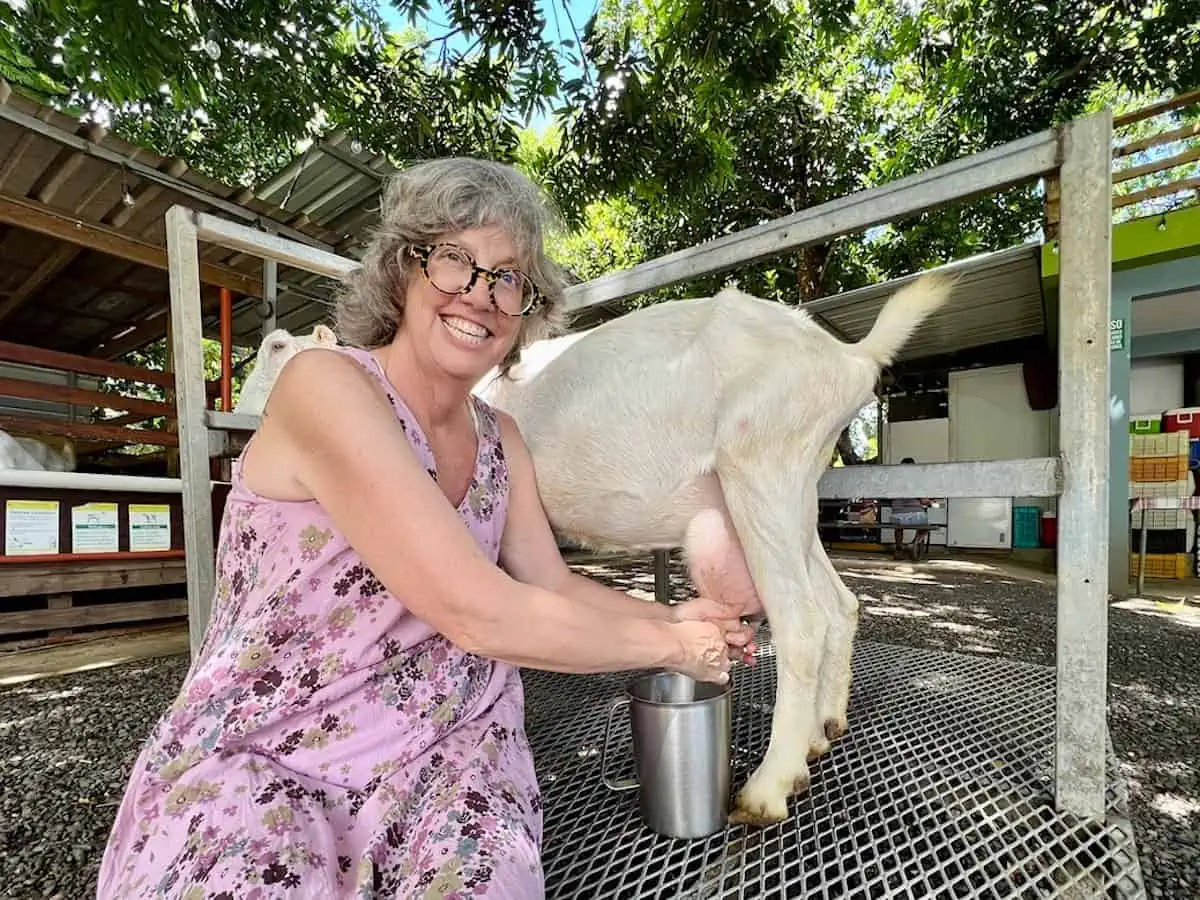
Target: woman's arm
<point x="529" y="552"/>
<point x="329" y="426"/>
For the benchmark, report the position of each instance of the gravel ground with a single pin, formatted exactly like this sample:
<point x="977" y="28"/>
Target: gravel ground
<point x="66" y="743"/>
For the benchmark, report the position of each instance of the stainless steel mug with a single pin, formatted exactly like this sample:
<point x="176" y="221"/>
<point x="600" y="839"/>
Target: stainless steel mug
<point x="682" y="730"/>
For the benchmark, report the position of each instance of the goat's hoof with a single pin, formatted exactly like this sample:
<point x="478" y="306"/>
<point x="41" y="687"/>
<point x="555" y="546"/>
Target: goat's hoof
<point x="764" y="800"/>
<point x="758" y="815"/>
<point x="835" y="728"/>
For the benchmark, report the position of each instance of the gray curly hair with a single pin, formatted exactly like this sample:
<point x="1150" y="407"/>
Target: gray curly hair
<point x="422" y="204"/>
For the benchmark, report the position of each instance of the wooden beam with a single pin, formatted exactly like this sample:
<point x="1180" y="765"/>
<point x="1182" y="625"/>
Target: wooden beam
<point x="14" y="156"/>
<point x="51" y="266"/>
<point x="61" y="393"/>
<point x="86" y="365"/>
<point x="94" y="236"/>
<point x="24" y="579"/>
<point x="1157" y="109"/>
<point x="1158" y="165"/>
<point x="145" y="333"/>
<point x="151" y="329"/>
<point x="54" y="178"/>
<point x="1162" y="190"/>
<point x="1157" y="140"/>
<point x="96" y="614"/>
<point x="33" y="425"/>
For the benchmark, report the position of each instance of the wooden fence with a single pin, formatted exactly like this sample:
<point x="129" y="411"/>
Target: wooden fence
<point x="1181" y="183"/>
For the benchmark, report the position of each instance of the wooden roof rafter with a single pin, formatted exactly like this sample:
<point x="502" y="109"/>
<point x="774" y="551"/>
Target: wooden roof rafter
<point x="74" y="200"/>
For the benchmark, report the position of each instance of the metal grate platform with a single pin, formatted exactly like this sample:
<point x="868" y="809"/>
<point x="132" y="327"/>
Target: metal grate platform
<point x="942" y="788"/>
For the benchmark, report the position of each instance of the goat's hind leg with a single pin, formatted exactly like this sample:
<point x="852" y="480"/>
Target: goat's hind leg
<point x="842" y="614"/>
<point x="776" y="554"/>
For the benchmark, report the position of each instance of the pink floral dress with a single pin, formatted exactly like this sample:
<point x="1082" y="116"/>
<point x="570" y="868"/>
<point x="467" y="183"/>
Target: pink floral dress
<point x="326" y="742"/>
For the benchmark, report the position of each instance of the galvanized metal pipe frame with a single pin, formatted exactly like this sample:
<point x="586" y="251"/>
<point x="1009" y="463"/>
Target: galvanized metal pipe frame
<point x="1078" y="152"/>
<point x="89" y="481"/>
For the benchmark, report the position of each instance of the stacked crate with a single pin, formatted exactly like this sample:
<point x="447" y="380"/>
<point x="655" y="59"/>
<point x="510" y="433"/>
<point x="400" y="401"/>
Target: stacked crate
<point x="1161" y="451"/>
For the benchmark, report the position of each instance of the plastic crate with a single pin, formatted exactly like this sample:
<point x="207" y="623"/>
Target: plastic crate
<point x="1158" y="468"/>
<point x="1161" y="542"/>
<point x="1173" y="444"/>
<point x="1027" y="524"/>
<point x="1163" y="565"/>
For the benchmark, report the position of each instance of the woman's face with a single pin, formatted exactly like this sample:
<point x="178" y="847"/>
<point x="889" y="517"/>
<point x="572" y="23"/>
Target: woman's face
<point x="464" y="335"/>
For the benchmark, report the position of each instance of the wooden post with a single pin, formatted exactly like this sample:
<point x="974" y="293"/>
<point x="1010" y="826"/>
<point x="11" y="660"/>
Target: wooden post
<point x="172" y="424"/>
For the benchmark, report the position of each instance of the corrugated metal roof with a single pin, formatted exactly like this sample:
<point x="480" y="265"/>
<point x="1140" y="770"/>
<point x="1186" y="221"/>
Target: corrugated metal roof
<point x="999" y="298"/>
<point x="81" y="269"/>
<point x="336" y="185"/>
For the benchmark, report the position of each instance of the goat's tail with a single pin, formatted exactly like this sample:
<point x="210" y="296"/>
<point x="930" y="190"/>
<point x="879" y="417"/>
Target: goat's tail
<point x="903" y="313"/>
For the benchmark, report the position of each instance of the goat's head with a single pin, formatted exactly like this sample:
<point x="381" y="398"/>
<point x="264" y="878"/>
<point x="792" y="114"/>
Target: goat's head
<point x="279" y="346"/>
<point x="276" y="349"/>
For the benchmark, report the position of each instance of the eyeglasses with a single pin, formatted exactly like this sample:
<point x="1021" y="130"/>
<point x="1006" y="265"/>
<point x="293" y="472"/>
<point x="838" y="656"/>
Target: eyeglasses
<point x="452" y="270"/>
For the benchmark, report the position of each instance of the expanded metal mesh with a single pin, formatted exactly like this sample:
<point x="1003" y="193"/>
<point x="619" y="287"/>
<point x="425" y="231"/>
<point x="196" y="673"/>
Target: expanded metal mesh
<point x="942" y="788"/>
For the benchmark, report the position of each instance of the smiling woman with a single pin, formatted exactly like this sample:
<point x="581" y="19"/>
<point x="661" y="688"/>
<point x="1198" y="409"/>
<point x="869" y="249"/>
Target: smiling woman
<point x="353" y="724"/>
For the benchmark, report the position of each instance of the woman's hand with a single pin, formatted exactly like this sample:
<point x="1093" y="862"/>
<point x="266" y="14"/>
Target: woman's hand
<point x="705" y="654"/>
<point x="739" y="637"/>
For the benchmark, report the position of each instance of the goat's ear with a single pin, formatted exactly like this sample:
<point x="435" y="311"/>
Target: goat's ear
<point x="324" y="336"/>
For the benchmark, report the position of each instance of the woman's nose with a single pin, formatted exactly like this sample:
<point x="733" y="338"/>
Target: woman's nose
<point x="479" y="294"/>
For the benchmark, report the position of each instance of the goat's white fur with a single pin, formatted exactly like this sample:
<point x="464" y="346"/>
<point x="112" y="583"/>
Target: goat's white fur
<point x="276" y="349"/>
<point x="34" y="454"/>
<point x="706" y="424"/>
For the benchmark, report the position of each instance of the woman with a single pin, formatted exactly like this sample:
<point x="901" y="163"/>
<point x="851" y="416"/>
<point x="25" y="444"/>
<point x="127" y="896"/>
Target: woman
<point x="353" y="723"/>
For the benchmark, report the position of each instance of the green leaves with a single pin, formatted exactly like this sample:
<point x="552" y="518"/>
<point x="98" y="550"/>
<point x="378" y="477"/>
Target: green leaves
<point x="710" y="117"/>
<point x="235" y="87"/>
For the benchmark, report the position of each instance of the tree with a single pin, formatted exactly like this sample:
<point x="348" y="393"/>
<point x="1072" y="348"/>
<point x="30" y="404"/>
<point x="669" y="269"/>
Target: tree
<point x="238" y="89"/>
<point x="706" y="118"/>
<point x="712" y="117"/>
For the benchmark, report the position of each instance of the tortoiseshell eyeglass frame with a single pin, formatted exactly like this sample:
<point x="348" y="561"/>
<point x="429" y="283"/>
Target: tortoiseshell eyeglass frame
<point x="424" y="251"/>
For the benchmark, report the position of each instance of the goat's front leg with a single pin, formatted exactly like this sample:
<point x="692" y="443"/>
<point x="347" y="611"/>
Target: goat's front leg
<point x="842" y="613"/>
<point x="776" y="553"/>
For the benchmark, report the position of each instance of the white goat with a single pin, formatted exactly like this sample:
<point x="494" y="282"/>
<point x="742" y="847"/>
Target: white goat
<point x="17" y="452"/>
<point x="707" y="424"/>
<point x="276" y="348"/>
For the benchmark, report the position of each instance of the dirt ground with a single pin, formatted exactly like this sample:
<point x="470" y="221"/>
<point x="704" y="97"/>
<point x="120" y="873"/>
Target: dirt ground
<point x="67" y="740"/>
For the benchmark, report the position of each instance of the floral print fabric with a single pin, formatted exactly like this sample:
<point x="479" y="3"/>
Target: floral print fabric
<point x="326" y="743"/>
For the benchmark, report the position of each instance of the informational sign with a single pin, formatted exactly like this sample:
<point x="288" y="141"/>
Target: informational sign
<point x="94" y="528"/>
<point x="1116" y="334"/>
<point x="30" y="527"/>
<point x="149" y="527"/>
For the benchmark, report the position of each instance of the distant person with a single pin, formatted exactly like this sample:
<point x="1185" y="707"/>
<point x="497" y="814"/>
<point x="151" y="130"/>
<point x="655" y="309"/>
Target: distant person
<point x="913" y="512"/>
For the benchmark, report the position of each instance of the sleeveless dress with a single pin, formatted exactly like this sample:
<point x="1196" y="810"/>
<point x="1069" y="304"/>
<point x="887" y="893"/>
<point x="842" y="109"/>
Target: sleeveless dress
<point x="326" y="743"/>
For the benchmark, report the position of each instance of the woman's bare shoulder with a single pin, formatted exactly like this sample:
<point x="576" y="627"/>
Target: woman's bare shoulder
<point x="323" y="401"/>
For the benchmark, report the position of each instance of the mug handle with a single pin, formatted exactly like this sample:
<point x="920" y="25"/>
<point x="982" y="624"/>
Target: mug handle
<point x="625" y="784"/>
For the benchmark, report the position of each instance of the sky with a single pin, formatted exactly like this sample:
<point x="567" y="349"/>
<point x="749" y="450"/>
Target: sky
<point x="558" y="27"/>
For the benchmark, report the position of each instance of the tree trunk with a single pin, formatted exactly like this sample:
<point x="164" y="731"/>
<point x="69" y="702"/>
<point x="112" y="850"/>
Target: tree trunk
<point x="845" y="449"/>
<point x="810" y="272"/>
